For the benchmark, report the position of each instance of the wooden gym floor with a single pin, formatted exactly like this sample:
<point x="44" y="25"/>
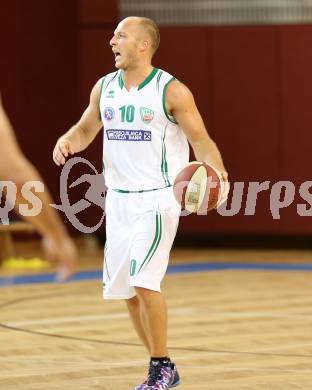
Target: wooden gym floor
<point x="228" y="328"/>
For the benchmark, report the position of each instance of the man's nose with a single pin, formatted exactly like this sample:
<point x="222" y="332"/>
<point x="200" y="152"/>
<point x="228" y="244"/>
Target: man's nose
<point x="112" y="41"/>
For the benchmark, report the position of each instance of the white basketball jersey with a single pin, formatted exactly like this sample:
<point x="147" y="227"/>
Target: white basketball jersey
<point x="144" y="148"/>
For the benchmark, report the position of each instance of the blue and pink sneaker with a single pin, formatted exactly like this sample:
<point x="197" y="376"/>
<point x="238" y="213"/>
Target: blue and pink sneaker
<point x="160" y="377"/>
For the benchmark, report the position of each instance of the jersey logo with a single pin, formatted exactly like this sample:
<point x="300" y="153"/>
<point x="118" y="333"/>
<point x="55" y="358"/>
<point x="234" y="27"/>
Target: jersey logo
<point x="147" y="114"/>
<point x="110" y="94"/>
<point x="128" y="135"/>
<point x="109" y="113"/>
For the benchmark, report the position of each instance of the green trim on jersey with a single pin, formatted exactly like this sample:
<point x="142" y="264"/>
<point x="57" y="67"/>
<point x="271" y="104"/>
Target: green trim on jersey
<point x="144" y="82"/>
<point x="102" y="83"/>
<point x="148" y="78"/>
<point x="156" y="241"/>
<point x="120" y="81"/>
<point x="158" y="80"/>
<point x="164" y="164"/>
<point x="139" y="191"/>
<point x="169" y="117"/>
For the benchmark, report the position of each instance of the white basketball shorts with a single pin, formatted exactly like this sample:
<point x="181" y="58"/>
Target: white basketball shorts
<point x="140" y="229"/>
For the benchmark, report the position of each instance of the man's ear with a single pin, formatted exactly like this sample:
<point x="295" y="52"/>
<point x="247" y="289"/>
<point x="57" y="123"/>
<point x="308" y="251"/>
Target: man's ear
<point x="144" y="45"/>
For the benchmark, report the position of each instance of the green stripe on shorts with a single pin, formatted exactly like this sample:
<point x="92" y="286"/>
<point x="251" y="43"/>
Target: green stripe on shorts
<point x="105" y="261"/>
<point x="156" y="241"/>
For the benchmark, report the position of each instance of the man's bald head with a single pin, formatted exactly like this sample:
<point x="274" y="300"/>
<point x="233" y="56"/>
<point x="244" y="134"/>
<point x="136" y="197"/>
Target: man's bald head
<point x="149" y="27"/>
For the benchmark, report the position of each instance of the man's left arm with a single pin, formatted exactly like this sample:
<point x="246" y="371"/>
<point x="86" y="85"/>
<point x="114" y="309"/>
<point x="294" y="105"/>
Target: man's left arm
<point x="180" y="103"/>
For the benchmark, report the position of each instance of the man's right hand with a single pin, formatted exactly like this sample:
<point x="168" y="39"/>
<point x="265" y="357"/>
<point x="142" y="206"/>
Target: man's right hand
<point x="63" y="252"/>
<point x="62" y="149"/>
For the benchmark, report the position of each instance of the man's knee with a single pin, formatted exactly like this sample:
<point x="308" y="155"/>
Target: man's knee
<point x="145" y="293"/>
<point x="132" y="301"/>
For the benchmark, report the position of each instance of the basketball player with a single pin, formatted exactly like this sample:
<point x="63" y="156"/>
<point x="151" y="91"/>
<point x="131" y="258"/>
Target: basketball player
<point x="14" y="167"/>
<point x="148" y="118"/>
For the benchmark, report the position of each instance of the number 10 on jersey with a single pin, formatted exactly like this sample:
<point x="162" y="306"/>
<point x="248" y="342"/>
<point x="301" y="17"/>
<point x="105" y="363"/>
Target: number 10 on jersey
<point x="127" y="113"/>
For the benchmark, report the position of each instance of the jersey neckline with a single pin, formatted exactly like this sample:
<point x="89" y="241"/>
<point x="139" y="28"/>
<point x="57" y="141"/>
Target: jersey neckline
<point x="144" y="82"/>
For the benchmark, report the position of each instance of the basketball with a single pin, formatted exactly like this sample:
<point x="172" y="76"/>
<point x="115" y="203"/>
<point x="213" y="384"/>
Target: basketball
<point x="198" y="187"/>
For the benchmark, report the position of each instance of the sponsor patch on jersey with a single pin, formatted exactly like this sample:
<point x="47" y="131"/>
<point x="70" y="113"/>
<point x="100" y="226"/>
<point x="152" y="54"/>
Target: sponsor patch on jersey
<point x="128" y="135"/>
<point x="109" y="113"/>
<point x="147" y="114"/>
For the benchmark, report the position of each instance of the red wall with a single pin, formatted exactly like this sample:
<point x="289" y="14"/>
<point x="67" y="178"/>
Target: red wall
<point x="252" y="86"/>
<point x="38" y="75"/>
<point x="45" y="64"/>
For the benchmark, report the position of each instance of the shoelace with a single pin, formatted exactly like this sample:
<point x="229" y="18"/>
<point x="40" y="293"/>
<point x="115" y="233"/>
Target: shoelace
<point x="154" y="374"/>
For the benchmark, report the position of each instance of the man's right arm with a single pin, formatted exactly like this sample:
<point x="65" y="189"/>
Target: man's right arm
<point x="79" y="137"/>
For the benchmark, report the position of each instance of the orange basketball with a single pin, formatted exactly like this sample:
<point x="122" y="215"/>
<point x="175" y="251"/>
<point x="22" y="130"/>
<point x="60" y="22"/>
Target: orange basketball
<point x="197" y="187"/>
